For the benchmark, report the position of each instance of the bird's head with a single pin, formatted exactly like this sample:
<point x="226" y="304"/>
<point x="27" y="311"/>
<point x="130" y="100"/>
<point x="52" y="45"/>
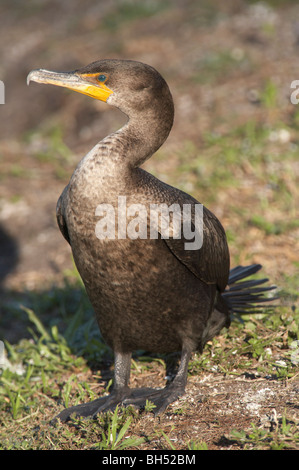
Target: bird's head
<point x="126" y="84"/>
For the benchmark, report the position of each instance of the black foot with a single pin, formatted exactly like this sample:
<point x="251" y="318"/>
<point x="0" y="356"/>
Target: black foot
<point x="137" y="398"/>
<point x="85" y="410"/>
<point x="92" y="408"/>
<point x="160" y="398"/>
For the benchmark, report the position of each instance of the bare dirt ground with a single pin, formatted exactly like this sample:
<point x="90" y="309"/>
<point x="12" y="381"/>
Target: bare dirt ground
<point x="214" y="406"/>
<point x="176" y="40"/>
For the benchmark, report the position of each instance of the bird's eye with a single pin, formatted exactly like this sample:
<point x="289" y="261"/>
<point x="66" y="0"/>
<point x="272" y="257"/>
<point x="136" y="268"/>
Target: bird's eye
<point x="101" y="78"/>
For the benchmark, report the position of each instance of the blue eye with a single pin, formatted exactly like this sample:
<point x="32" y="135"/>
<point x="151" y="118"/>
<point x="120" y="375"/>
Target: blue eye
<point x="101" y="78"/>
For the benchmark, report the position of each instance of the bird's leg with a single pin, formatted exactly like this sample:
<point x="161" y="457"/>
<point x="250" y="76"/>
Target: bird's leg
<point x="180" y="379"/>
<point x="162" y="398"/>
<point x="177" y="387"/>
<point x="122" y="394"/>
<point x="120" y="391"/>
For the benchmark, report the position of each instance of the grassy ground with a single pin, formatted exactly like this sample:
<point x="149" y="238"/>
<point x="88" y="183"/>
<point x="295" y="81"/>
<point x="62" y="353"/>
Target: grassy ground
<point x="50" y="370"/>
<point x="234" y="147"/>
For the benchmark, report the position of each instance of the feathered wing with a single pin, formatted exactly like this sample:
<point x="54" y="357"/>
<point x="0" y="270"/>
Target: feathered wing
<point x="210" y="263"/>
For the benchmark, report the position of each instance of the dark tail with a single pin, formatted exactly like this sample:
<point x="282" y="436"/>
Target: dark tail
<point x="246" y="296"/>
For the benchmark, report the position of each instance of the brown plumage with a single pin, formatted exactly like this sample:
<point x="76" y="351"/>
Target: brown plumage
<point x="149" y="294"/>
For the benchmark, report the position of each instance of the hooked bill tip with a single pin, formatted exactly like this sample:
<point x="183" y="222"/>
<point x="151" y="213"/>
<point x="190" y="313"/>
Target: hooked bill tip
<point x="30" y="76"/>
<point x="35" y="75"/>
<point x="28" y="80"/>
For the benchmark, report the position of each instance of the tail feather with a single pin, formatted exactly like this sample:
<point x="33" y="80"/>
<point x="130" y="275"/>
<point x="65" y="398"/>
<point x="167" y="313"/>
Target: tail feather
<point x="240" y="272"/>
<point x="251" y="283"/>
<point x="240" y="291"/>
<point x="244" y="297"/>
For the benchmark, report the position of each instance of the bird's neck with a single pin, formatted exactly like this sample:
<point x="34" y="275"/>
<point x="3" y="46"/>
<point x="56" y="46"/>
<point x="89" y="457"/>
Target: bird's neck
<point x="138" y="139"/>
<point x="113" y="158"/>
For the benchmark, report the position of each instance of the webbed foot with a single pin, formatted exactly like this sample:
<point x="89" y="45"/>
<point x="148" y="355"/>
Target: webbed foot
<point x="124" y="396"/>
<point x="137" y="398"/>
<point x="92" y="408"/>
<point x="160" y="398"/>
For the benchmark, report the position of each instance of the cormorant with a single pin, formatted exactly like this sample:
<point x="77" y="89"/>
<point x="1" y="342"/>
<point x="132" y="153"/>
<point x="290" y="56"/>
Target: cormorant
<point x="152" y="290"/>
